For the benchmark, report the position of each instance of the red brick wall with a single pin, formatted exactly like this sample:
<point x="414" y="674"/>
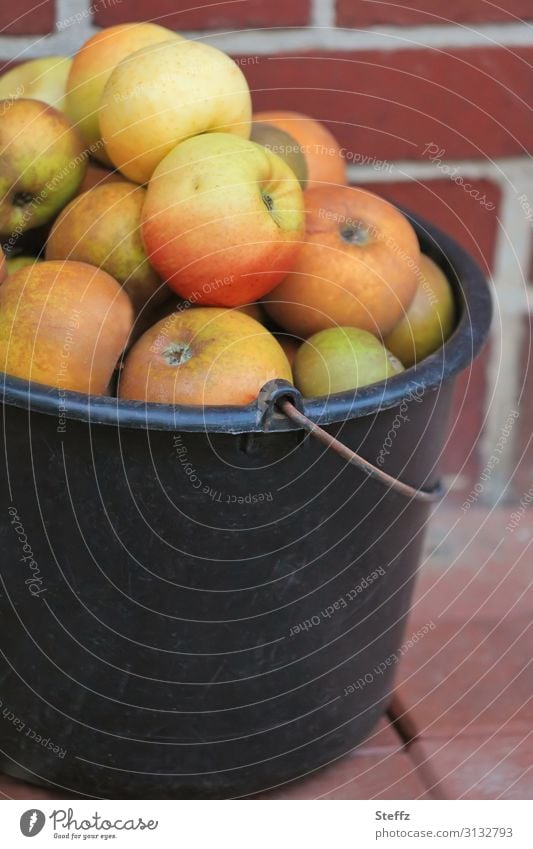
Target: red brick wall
<point x="462" y="84"/>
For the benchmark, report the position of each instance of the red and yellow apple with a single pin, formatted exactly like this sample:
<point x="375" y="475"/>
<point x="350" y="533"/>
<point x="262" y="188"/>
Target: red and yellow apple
<point x="101" y="227"/>
<point x="92" y="67"/>
<point x="42" y="164"/>
<point x="223" y="220"/>
<point x="204" y="356"/>
<point x="163" y="94"/>
<point x="38" y="79"/>
<point x="340" y="359"/>
<point x="357" y="267"/>
<point x="429" y="320"/>
<point x="63" y="324"/>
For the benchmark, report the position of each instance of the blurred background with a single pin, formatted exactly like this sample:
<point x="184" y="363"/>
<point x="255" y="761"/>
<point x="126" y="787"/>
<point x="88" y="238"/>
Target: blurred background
<point x="433" y="110"/>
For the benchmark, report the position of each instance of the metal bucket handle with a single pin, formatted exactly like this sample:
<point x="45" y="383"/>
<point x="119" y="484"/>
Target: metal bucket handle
<point x="281" y="396"/>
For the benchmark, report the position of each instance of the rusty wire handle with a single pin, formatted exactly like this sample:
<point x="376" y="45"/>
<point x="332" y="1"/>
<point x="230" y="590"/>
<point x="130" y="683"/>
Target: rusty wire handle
<point x="350" y="456"/>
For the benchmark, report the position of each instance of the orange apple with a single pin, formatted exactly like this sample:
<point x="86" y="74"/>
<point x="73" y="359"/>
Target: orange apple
<point x="323" y="155"/>
<point x="101" y="227"/>
<point x="64" y="324"/>
<point x="429" y="320"/>
<point x="204" y="356"/>
<point x="339" y="359"/>
<point x="91" y="68"/>
<point x="163" y="94"/>
<point x="357" y="267"/>
<point x="223" y="220"/>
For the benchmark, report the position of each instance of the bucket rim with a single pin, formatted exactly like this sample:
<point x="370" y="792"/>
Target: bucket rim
<point x="475" y="305"/>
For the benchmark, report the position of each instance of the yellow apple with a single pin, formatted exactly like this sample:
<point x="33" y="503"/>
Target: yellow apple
<point x="91" y="68"/>
<point x="39" y="79"/>
<point x="163" y="94"/>
<point x="223" y="220"/>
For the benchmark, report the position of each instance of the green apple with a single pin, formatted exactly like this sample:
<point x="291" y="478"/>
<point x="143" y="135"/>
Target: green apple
<point x="16" y="262"/>
<point x="286" y="147"/>
<point x="429" y="319"/>
<point x="42" y="164"/>
<point x="39" y="79"/>
<point x="340" y="359"/>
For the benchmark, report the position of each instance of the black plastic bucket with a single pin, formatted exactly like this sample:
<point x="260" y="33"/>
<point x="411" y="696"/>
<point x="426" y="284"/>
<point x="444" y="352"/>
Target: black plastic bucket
<point x="209" y="602"/>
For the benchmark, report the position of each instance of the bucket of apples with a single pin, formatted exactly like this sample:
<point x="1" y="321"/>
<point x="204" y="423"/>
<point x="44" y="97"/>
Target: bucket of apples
<point x="177" y="271"/>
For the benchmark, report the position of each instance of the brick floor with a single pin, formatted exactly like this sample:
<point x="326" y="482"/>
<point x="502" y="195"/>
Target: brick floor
<point x="460" y="724"/>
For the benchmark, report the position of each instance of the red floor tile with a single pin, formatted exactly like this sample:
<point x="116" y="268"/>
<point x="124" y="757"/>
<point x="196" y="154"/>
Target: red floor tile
<point x="470" y="767"/>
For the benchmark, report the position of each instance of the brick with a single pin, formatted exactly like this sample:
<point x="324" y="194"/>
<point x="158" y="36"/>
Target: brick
<point x="522" y="444"/>
<point x="471" y="102"/>
<point x="25" y="17"/>
<point x="204" y="14"/>
<point x="409" y="13"/>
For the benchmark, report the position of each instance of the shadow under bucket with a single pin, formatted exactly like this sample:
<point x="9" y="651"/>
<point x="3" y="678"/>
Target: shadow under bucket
<point x="211" y="602"/>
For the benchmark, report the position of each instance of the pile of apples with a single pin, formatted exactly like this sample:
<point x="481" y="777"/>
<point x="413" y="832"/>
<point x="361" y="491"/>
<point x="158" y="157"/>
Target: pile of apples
<point x="186" y="251"/>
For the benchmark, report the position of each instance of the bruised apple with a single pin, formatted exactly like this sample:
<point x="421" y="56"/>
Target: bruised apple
<point x="91" y="68"/>
<point x="429" y="320"/>
<point x="163" y="94"/>
<point x="64" y="324"/>
<point x="101" y="227"/>
<point x="223" y="220"/>
<point x="339" y="359"/>
<point x="203" y="356"/>
<point x="357" y="267"/>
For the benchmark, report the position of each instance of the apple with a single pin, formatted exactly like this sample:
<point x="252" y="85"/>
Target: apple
<point x="97" y="175"/>
<point x="14" y="263"/>
<point x="166" y="93"/>
<point x="311" y="139"/>
<point x="63" y="324"/>
<point x="357" y="266"/>
<point x="101" y="227"/>
<point x="340" y="359"/>
<point x="42" y="165"/>
<point x="39" y="79"/>
<point x="223" y="220"/>
<point x="429" y="320"/>
<point x="287" y="148"/>
<point x="91" y="68"/>
<point x="203" y="356"/>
